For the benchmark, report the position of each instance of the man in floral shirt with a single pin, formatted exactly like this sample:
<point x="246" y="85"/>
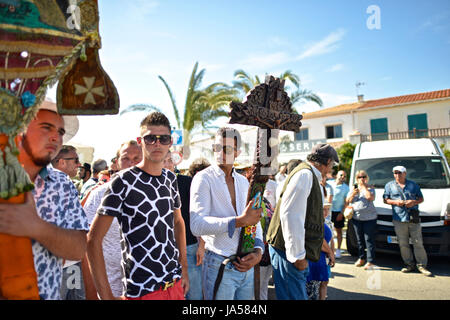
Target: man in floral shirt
<point x="51" y="215"/>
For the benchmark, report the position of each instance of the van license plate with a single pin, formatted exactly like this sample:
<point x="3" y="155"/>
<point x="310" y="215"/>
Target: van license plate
<point x="393" y="239"/>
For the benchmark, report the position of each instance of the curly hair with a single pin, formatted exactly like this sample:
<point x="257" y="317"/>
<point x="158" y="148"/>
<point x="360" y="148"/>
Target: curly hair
<point x="198" y="165"/>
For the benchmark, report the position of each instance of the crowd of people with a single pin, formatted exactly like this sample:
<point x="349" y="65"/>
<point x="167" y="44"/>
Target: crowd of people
<point x="138" y="229"/>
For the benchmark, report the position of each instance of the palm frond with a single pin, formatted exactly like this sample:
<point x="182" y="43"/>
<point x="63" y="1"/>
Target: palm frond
<point x="172" y="100"/>
<point x="140" y="107"/>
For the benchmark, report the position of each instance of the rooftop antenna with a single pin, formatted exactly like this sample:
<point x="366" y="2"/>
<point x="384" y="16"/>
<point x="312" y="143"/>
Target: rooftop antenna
<point x="359" y="96"/>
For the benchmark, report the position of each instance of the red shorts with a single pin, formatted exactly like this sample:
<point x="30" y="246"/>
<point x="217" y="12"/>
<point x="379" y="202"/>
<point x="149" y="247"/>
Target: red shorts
<point x="172" y="293"/>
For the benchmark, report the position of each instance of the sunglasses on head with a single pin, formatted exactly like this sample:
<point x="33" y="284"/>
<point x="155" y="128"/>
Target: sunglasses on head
<point x="226" y="149"/>
<point x="164" y="139"/>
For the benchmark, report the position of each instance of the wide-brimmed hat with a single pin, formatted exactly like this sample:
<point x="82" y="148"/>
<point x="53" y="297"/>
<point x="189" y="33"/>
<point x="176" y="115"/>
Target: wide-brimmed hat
<point x="71" y="123"/>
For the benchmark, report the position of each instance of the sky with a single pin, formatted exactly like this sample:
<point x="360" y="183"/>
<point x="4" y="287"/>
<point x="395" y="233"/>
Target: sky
<point x="393" y="47"/>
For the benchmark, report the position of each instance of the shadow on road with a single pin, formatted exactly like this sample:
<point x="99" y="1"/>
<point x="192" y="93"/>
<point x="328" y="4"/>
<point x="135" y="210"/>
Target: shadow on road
<point x="337" y="294"/>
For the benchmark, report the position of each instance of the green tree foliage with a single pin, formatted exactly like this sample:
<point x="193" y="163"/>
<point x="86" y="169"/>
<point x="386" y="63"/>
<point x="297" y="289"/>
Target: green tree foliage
<point x="345" y="153"/>
<point x="446" y="152"/>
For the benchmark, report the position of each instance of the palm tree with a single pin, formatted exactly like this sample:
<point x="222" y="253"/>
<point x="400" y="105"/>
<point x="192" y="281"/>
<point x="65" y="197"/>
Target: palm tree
<point x="244" y="83"/>
<point x="201" y="108"/>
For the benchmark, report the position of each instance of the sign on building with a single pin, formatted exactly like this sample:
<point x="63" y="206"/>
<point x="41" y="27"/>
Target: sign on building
<point x="300" y="146"/>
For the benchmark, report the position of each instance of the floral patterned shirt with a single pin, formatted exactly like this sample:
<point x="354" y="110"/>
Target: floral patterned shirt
<point x="56" y="202"/>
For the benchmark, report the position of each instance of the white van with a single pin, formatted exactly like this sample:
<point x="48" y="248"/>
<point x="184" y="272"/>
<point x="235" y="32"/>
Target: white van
<point x="426" y="165"/>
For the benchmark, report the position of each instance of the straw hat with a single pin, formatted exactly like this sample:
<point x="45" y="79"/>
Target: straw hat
<point x="71" y="123"/>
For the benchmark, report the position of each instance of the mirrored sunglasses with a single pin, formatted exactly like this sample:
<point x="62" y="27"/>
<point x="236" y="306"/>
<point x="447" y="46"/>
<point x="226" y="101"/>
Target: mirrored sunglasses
<point x="226" y="149"/>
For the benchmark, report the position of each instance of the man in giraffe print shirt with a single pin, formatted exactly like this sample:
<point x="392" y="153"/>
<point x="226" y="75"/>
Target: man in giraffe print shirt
<point x="146" y="203"/>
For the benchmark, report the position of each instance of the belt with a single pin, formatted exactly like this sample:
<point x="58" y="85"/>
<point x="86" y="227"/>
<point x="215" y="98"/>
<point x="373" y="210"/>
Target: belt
<point x="166" y="285"/>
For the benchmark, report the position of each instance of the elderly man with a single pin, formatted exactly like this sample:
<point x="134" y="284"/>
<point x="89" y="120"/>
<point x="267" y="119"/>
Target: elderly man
<point x="52" y="215"/>
<point x="404" y="196"/>
<point x="128" y="155"/>
<point x="72" y="287"/>
<point x="67" y="161"/>
<point x="297" y="224"/>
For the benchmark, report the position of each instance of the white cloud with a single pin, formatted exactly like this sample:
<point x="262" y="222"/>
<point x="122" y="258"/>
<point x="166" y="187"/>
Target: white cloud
<point x="265" y="61"/>
<point x="336" y="67"/>
<point x="329" y="44"/>
<point x="138" y="9"/>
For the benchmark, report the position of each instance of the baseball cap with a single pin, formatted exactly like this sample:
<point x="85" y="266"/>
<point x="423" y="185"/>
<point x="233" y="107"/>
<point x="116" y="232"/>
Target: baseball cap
<point x="399" y="168"/>
<point x="324" y="150"/>
<point x="71" y="123"/>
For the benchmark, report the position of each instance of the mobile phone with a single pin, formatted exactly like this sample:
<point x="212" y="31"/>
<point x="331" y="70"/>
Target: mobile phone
<point x="258" y="199"/>
<point x="355" y="186"/>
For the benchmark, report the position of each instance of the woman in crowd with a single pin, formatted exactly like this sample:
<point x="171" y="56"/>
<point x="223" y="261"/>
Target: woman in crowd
<point x="364" y="219"/>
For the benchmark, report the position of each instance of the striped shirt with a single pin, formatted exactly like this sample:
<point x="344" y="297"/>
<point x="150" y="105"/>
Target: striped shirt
<point x="212" y="214"/>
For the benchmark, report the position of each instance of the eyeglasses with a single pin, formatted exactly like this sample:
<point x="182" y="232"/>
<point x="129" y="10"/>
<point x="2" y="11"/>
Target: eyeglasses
<point x="164" y="139"/>
<point x="77" y="160"/>
<point x="397" y="172"/>
<point x="361" y="177"/>
<point x="226" y="149"/>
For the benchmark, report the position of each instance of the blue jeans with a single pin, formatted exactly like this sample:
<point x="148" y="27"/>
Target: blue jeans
<point x="72" y="285"/>
<point x="195" y="274"/>
<point x="235" y="285"/>
<point x="365" y="236"/>
<point x="290" y="283"/>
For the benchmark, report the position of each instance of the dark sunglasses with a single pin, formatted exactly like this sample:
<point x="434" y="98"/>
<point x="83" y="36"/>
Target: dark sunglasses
<point x="226" y="149"/>
<point x="397" y="172"/>
<point x="164" y="139"/>
<point x="361" y="177"/>
<point x="77" y="160"/>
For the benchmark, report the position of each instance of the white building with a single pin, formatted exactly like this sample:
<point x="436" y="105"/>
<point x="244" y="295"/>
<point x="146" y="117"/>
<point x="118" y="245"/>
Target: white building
<point x="402" y="117"/>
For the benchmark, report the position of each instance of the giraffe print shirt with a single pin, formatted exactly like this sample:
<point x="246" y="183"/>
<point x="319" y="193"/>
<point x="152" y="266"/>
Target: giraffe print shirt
<point x="144" y="206"/>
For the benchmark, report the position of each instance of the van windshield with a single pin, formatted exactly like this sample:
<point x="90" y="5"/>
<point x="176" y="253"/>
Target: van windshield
<point x="427" y="172"/>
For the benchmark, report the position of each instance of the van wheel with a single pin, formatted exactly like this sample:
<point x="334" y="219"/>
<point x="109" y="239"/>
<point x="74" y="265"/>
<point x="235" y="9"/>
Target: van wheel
<point x="350" y="236"/>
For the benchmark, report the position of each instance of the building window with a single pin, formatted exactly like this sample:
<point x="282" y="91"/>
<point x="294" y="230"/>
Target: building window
<point x="379" y="129"/>
<point x="303" y="134"/>
<point x="334" y="131"/>
<point x="418" y="125"/>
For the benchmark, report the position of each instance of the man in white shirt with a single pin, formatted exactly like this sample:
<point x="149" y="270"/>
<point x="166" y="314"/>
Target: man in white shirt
<point x="218" y="211"/>
<point x="303" y="195"/>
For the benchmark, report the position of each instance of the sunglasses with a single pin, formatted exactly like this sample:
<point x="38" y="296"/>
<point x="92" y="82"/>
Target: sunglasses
<point x="397" y="172"/>
<point x="361" y="177"/>
<point x="226" y="149"/>
<point x="77" y="160"/>
<point x="164" y="139"/>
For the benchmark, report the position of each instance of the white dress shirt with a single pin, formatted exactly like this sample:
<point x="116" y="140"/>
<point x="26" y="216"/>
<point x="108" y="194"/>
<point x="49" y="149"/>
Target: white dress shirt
<point x="212" y="214"/>
<point x="293" y="212"/>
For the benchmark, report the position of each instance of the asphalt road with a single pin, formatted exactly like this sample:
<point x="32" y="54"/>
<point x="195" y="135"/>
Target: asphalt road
<point x="386" y="282"/>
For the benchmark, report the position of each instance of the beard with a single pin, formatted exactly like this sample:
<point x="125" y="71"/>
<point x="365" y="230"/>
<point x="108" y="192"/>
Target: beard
<point x="38" y="161"/>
